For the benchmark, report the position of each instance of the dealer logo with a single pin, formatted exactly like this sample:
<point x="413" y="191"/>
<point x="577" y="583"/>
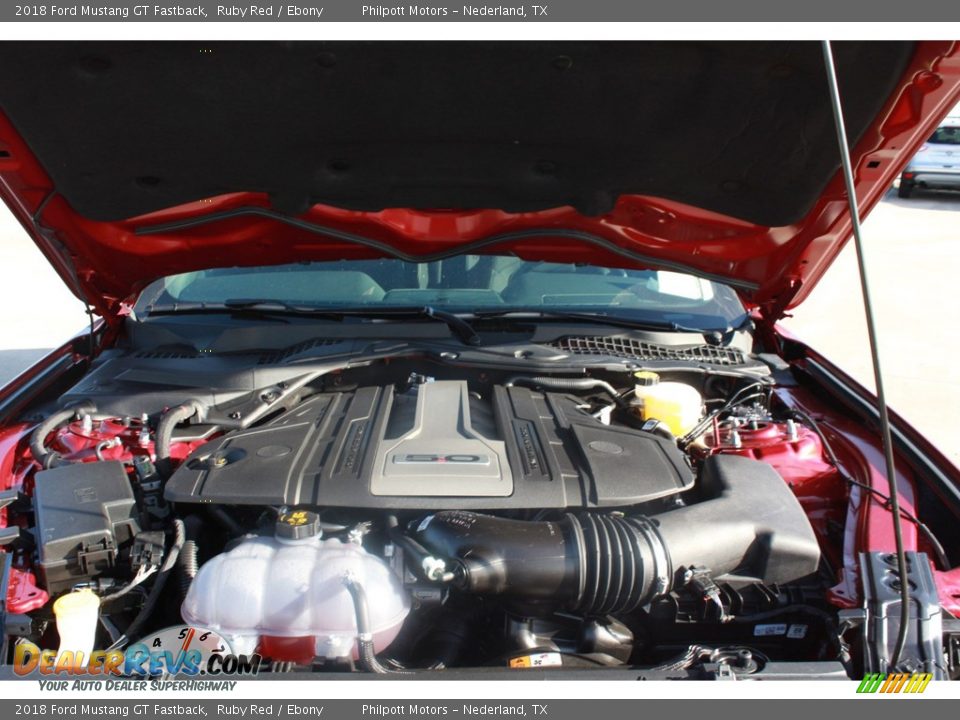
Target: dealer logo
<point x="911" y="683"/>
<point x="178" y="650"/>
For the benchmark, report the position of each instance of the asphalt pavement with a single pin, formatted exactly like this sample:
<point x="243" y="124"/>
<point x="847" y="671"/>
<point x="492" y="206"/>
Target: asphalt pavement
<point x="913" y="254"/>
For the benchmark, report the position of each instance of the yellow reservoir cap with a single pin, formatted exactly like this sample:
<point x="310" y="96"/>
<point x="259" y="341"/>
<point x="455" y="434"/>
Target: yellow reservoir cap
<point x="646" y="377"/>
<point x="77" y="602"/>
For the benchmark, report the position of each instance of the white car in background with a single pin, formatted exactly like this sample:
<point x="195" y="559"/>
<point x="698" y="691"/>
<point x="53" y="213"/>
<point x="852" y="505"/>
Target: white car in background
<point x="937" y="164"/>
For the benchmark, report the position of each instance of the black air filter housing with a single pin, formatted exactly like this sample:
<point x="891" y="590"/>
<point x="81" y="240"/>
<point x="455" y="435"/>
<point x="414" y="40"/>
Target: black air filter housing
<point x="748" y="528"/>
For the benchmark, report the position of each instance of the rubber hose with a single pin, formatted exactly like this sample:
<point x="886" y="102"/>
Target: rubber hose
<point x="146" y="611"/>
<point x="187" y="562"/>
<point x="38" y="439"/>
<point x="592" y="563"/>
<point x="367" y="654"/>
<point x="226" y="521"/>
<point x="170" y="419"/>
<point x="448" y="637"/>
<point x="413" y="550"/>
<point x="568" y="384"/>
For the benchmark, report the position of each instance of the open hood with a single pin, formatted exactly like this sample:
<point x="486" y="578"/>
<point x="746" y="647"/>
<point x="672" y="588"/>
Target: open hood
<point x="130" y="161"/>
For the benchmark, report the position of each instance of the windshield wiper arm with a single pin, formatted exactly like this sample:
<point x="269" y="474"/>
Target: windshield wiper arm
<point x="712" y="337"/>
<point x="458" y="326"/>
<point x="461" y="329"/>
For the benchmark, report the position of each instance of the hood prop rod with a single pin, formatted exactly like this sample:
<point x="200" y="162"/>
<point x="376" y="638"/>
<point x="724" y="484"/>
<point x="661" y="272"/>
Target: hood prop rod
<point x="874" y="354"/>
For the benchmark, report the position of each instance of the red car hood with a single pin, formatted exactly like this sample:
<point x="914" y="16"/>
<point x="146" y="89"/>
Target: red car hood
<point x="130" y="161"/>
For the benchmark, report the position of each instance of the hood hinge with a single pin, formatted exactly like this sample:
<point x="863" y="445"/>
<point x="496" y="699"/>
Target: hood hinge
<point x="776" y="308"/>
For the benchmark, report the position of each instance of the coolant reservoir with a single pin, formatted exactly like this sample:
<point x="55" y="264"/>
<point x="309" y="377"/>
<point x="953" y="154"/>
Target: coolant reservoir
<point x="678" y="405"/>
<point x="283" y="591"/>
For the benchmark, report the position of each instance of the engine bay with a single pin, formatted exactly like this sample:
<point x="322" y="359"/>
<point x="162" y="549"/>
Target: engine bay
<point x="404" y="514"/>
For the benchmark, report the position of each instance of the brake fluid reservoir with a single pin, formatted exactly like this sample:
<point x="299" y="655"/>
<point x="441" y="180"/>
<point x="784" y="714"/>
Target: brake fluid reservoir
<point x="287" y="591"/>
<point x="678" y="405"/>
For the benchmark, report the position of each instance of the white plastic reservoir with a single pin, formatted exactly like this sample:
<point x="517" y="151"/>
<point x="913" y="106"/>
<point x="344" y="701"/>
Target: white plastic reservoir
<point x="270" y="588"/>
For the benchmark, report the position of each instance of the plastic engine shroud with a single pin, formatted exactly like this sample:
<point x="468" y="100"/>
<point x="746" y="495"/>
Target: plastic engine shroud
<point x="436" y="446"/>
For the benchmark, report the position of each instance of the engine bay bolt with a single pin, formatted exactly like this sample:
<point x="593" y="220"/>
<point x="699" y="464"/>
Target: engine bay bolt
<point x="143" y="439"/>
<point x="791" y="430"/>
<point x="735" y="440"/>
<point x="434" y="568"/>
<point x="86" y="423"/>
<point x="358" y="532"/>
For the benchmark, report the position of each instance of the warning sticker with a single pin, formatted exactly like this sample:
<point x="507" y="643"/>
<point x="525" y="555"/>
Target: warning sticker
<point x="769" y="630"/>
<point x="797" y="632"/>
<point x="537" y="660"/>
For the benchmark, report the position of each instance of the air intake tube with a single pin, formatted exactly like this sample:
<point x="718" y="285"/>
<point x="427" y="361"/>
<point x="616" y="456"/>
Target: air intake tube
<point x="596" y="564"/>
<point x="748" y="526"/>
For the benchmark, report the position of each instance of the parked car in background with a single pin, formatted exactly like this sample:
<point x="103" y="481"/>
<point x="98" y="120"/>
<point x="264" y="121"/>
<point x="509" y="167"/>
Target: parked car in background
<point x="936" y="166"/>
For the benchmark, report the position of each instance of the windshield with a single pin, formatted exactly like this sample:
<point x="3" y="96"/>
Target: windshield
<point x="946" y="136"/>
<point x="462" y="284"/>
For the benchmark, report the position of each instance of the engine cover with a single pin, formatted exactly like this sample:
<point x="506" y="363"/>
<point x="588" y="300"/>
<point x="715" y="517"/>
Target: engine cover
<point x="438" y="442"/>
<point x="436" y="446"/>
